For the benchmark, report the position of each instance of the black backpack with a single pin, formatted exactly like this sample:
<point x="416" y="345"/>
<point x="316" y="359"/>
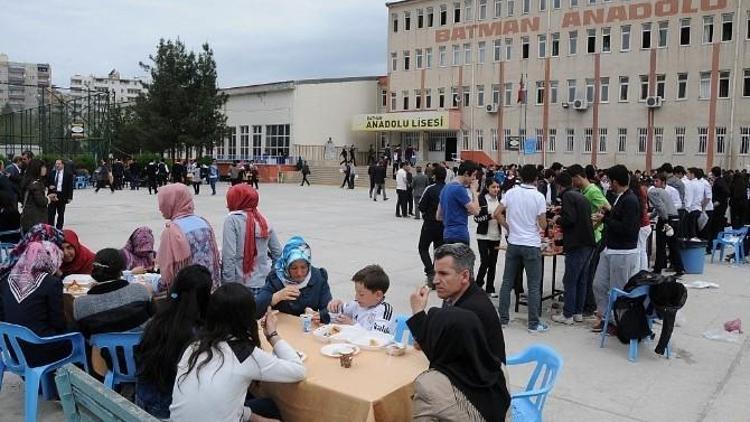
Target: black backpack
<point x="630" y="317"/>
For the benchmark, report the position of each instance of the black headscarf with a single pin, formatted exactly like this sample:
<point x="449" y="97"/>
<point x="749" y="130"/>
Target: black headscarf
<point x="455" y="344"/>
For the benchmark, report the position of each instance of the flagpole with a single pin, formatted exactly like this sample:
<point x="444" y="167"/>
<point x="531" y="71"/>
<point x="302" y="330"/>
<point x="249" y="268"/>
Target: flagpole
<point x="525" y="109"/>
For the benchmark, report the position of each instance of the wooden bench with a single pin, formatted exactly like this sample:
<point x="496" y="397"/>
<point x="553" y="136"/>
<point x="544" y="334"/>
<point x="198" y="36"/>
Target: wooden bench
<point x="84" y="398"/>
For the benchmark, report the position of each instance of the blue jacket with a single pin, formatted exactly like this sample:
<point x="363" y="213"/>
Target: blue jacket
<point x="315" y="295"/>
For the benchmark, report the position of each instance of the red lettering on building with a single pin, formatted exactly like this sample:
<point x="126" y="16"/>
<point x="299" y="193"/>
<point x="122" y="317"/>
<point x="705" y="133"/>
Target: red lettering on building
<point x="666" y="8"/>
<point x="687" y="6"/>
<point x="571" y="19"/>
<point x="489" y="29"/>
<point x="530" y="25"/>
<point x="510" y="27"/>
<point x="617" y="13"/>
<point x="593" y="17"/>
<point x="640" y="11"/>
<point x="442" y="35"/>
<point x="458" y="34"/>
<point x="709" y="5"/>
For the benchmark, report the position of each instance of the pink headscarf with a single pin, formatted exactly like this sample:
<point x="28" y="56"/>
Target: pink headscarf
<point x="175" y="201"/>
<point x="139" y="250"/>
<point x="39" y="259"/>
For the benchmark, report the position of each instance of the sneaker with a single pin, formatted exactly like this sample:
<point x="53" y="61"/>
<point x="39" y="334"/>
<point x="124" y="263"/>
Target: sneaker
<point x="578" y="317"/>
<point x="540" y="328"/>
<point x="562" y="320"/>
<point x="494" y="295"/>
<point x="589" y="316"/>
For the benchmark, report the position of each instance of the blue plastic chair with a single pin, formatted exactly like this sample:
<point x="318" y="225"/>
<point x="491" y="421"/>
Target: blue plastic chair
<point x="527" y="405"/>
<point x="635" y="293"/>
<point x="10" y="334"/>
<point x="125" y="343"/>
<point x="401" y="329"/>
<point x="729" y="237"/>
<point x="81" y="182"/>
<point x="6" y="247"/>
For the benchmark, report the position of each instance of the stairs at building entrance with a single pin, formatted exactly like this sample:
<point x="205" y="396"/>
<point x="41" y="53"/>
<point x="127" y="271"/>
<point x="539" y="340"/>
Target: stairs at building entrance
<point x="328" y="175"/>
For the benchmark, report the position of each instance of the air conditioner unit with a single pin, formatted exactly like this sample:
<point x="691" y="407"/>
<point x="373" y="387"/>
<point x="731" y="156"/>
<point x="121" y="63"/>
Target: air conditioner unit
<point x="580" y="105"/>
<point x="654" y="102"/>
<point x="491" y="108"/>
<point x="456" y="100"/>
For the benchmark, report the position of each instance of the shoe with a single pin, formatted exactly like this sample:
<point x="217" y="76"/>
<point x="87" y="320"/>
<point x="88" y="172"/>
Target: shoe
<point x="540" y="328"/>
<point x="578" y="317"/>
<point x="417" y="218"/>
<point x="598" y="327"/>
<point x="398" y="215"/>
<point x="562" y="320"/>
<point x="678" y="274"/>
<point x="375" y="200"/>
<point x="385" y="199"/>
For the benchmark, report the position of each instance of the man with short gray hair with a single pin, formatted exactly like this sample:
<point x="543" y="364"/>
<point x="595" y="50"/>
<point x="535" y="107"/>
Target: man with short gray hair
<point x="454" y="283"/>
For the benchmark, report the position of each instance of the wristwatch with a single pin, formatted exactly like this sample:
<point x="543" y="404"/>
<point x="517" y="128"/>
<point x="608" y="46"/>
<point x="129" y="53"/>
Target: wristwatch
<point x="272" y="335"/>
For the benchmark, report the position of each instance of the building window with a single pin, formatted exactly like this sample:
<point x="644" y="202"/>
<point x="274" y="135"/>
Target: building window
<point x="542" y="5"/>
<point x="232" y="143"/>
<point x="642" y="139"/>
<point x="526" y="4"/>
<point x="407" y="21"/>
<point x="420" y="18"/>
<point x="497" y="49"/>
<point x="464" y="136"/>
<point x="603" y="139"/>
<point x="551" y="140"/>
<point x="746" y="83"/>
<point x="524" y="47"/>
<point x="418" y="57"/>
<point x="506" y="138"/>
<point x="405" y="96"/>
<point x="511" y="7"/>
<point x="571" y="90"/>
<point x="493" y="139"/>
<point x="588" y="135"/>
<point x="721" y="137"/>
<point x="591" y="41"/>
<point x="622" y="139"/>
<point x="394" y="19"/>
<point x="658" y="140"/>
<point x="468" y="12"/>
<point x="646" y="35"/>
<point x="663" y="31"/>
<point x="570" y="135"/>
<point x="726" y="26"/>
<point x="467" y="53"/>
<point x="496" y="94"/>
<point x="572" y="43"/>
<point x="590" y="91"/>
<point x="406" y="59"/>
<point x="702" y="139"/>
<point x="442" y="56"/>
<point x="428" y="98"/>
<point x="244" y="142"/>
<point x="277" y="140"/>
<point x="644" y="87"/>
<point x="573" y="3"/>
<point x="708" y="29"/>
<point x="508" y="94"/>
<point x="724" y="84"/>
<point x="467" y="95"/>
<point x="456" y="12"/>
<point x="744" y="140"/>
<point x="428" y="58"/>
<point x="441" y="97"/>
<point x="661" y="83"/>
<point x="604" y="90"/>
<point x="384" y="98"/>
<point x="679" y="140"/>
<point x="685" y="31"/>
<point x="542" y="40"/>
<point x="508" y="48"/>
<point x="704" y="89"/>
<point x="624" y="86"/>
<point x="430" y="17"/>
<point x="606" y="40"/>
<point x="682" y="83"/>
<point x="539" y="139"/>
<point x="480" y="96"/>
<point x="498" y="8"/>
<point x="555" y="44"/>
<point x="482" y="9"/>
<point x="540" y="92"/>
<point x="258" y="141"/>
<point x="394" y="62"/>
<point x="556" y="4"/>
<point x="456" y="55"/>
<point x="747" y="26"/>
<point x="625" y="38"/>
<point x="393" y="101"/>
<point x="480" y="139"/>
<point x="417" y="99"/>
<point x="443" y="15"/>
<point x="553" y="92"/>
<point x="481" y="52"/>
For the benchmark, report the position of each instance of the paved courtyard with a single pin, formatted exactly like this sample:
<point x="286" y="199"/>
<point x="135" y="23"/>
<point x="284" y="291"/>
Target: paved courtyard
<point x="708" y="381"/>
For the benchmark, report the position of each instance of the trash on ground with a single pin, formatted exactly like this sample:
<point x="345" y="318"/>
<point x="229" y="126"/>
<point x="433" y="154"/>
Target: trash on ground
<point x="700" y="284"/>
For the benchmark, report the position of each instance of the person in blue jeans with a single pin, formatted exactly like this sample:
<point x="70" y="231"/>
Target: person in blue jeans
<point x="213" y="176"/>
<point x="458" y="201"/>
<point x="523" y="214"/>
<point x="578" y="245"/>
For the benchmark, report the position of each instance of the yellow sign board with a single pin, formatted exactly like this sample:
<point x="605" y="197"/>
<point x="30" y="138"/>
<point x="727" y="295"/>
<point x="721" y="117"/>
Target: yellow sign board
<point x="407" y="121"/>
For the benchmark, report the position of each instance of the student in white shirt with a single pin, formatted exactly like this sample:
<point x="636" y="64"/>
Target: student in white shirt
<point x="216" y="370"/>
<point x="401" y="187"/>
<point x="369" y="309"/>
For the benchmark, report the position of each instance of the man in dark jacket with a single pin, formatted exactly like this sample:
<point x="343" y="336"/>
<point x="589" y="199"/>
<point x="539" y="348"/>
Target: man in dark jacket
<point x="418" y="185"/>
<point x="432" y="228"/>
<point x="720" y="198"/>
<point x="379" y="178"/>
<point x="60" y="193"/>
<point x="371" y="174"/>
<point x="578" y="245"/>
<point x="620" y="258"/>
<point x="738" y="200"/>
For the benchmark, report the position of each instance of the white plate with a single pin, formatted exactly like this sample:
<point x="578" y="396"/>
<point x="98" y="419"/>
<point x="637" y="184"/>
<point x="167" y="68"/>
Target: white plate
<point x="372" y="340"/>
<point x="84" y="280"/>
<point x="337" y="349"/>
<point x="323" y="333"/>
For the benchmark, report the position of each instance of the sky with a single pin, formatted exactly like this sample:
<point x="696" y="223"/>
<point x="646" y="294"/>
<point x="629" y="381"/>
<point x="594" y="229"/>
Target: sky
<point x="253" y="41"/>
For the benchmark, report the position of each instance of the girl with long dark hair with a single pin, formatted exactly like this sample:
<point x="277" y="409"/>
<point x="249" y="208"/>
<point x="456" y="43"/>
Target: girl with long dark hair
<point x="488" y="234"/>
<point x="167" y="335"/>
<point x="34" y="198"/>
<point x="216" y="370"/>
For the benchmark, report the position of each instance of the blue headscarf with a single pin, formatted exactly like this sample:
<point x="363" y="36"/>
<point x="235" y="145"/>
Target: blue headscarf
<point x="295" y="249"/>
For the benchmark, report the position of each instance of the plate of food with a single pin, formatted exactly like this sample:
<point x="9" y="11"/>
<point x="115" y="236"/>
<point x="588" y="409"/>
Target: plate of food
<point x="331" y="333"/>
<point x="372" y="340"/>
<point x="75" y="288"/>
<point x="335" y="350"/>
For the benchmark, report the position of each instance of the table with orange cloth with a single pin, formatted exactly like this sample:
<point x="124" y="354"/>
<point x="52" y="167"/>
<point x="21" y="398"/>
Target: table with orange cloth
<point x="377" y="387"/>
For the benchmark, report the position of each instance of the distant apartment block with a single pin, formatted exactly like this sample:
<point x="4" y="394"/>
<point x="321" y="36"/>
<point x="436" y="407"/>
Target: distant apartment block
<point x="22" y="84"/>
<point x="124" y="89"/>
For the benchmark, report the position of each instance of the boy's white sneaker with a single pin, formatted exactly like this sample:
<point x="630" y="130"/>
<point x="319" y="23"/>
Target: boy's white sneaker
<point x="562" y="320"/>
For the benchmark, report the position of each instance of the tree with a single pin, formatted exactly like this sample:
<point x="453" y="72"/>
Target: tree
<point x="182" y="105"/>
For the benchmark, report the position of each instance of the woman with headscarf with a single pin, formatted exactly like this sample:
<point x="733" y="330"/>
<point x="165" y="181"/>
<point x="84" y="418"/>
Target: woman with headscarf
<point x="32" y="296"/>
<point x="34" y="198"/>
<point x="295" y="285"/>
<point x="248" y="238"/>
<point x="138" y="253"/>
<point x="77" y="259"/>
<point x="465" y="381"/>
<point x="187" y="238"/>
<point x="38" y="233"/>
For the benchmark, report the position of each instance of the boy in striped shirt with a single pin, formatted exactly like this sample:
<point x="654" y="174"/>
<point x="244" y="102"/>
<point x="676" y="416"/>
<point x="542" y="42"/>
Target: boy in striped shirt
<point x="369" y="309"/>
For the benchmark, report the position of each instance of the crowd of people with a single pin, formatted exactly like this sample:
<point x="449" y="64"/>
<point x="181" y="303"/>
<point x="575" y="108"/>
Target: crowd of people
<point x="201" y="347"/>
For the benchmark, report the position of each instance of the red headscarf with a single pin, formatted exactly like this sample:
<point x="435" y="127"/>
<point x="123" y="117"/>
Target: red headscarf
<point x="244" y="197"/>
<point x="83" y="262"/>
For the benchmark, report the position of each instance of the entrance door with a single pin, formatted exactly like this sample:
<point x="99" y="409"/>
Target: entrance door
<point x="450" y="148"/>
